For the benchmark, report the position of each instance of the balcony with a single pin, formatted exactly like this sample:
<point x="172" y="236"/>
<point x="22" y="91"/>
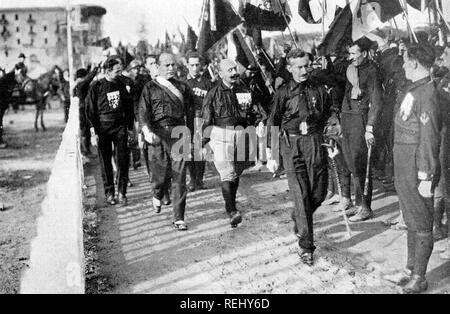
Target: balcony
<point x="32" y="33"/>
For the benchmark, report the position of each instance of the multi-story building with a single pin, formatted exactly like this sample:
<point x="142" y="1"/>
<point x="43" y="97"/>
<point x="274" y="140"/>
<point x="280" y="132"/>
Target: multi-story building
<point x="41" y="34"/>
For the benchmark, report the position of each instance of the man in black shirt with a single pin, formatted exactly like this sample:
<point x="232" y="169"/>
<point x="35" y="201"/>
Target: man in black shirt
<point x="82" y="84"/>
<point x="164" y="107"/>
<point x="301" y="109"/>
<point x="200" y="86"/>
<point x="110" y="111"/>
<point x="227" y="108"/>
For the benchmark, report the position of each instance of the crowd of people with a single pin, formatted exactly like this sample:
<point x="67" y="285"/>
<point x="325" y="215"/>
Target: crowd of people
<point x="383" y="105"/>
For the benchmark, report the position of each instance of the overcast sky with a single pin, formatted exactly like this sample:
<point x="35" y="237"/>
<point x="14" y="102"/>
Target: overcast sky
<point x="124" y="16"/>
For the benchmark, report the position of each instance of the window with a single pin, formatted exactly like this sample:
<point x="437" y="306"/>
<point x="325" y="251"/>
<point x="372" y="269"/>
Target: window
<point x="32" y="42"/>
<point x="31" y="16"/>
<point x="45" y="28"/>
<point x="18" y="41"/>
<point x="31" y="29"/>
<point x="3" y="16"/>
<point x="18" y="29"/>
<point x="17" y="17"/>
<point x="46" y="41"/>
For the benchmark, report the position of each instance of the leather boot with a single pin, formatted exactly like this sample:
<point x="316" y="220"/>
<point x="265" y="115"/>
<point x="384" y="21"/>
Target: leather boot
<point x="416" y="285"/>
<point x="227" y="192"/>
<point x="411" y="246"/>
<point x="344" y="204"/>
<point x="440" y="231"/>
<point x="424" y="248"/>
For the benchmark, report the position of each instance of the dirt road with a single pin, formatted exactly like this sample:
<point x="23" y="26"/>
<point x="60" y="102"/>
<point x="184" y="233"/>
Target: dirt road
<point x="137" y="251"/>
<point x="24" y="170"/>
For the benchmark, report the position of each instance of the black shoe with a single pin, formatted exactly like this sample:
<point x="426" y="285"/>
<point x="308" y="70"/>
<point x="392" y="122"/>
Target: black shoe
<point x="307" y="258"/>
<point x="156" y="205"/>
<point x="352" y="211"/>
<point x="236" y="219"/>
<point x="166" y="200"/>
<point x="416" y="285"/>
<point x="123" y="200"/>
<point x="363" y="215"/>
<point x="191" y="187"/>
<point x="111" y="200"/>
<point x="200" y="186"/>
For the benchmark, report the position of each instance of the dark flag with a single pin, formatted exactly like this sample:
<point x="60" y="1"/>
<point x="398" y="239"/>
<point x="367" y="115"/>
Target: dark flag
<point x="123" y="53"/>
<point x="191" y="39"/>
<point x="218" y="19"/>
<point x="304" y="10"/>
<point x="168" y="42"/>
<point x="244" y="54"/>
<point x="386" y="9"/>
<point x="339" y="35"/>
<point x="105" y="43"/>
<point x="419" y="4"/>
<point x="356" y="20"/>
<point x="266" y="15"/>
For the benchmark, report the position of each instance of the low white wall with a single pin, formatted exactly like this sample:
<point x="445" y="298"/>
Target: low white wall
<point x="57" y="254"/>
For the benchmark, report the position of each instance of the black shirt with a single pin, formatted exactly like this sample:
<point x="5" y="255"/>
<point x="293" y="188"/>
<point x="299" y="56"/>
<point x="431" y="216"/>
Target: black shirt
<point x="109" y="105"/>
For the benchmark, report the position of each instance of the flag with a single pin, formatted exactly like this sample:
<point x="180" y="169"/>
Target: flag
<point x="266" y="15"/>
<point x="304" y="10"/>
<point x="368" y="16"/>
<point x="123" y="53"/>
<point x="191" y="39"/>
<point x="245" y="55"/>
<point x="218" y="19"/>
<point x="420" y="5"/>
<point x="356" y="20"/>
<point x="105" y="43"/>
<point x="339" y="35"/>
<point x="384" y="9"/>
<point x="168" y="42"/>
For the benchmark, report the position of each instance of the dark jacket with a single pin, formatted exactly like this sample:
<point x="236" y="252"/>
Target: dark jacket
<point x="221" y="107"/>
<point x="418" y="122"/>
<point x="159" y="108"/>
<point x="370" y="102"/>
<point x="393" y="80"/>
<point x="295" y="103"/>
<point x="200" y="88"/>
<point x="109" y="105"/>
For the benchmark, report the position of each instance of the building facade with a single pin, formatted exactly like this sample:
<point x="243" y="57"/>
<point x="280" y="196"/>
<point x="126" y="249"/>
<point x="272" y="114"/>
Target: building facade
<point x="41" y="34"/>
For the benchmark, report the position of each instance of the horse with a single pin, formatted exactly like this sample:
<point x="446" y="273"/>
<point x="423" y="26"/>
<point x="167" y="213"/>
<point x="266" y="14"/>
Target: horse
<point x="7" y="83"/>
<point x="36" y="92"/>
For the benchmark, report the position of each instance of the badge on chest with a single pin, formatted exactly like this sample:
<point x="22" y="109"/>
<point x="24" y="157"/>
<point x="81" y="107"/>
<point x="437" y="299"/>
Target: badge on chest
<point x="113" y="99"/>
<point x="244" y="100"/>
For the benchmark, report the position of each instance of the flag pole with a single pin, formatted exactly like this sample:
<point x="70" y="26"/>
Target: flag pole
<point x="266" y="79"/>
<point x="69" y="46"/>
<point x="442" y="16"/>
<point x="287" y="24"/>
<point x="323" y="31"/>
<point x="405" y="15"/>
